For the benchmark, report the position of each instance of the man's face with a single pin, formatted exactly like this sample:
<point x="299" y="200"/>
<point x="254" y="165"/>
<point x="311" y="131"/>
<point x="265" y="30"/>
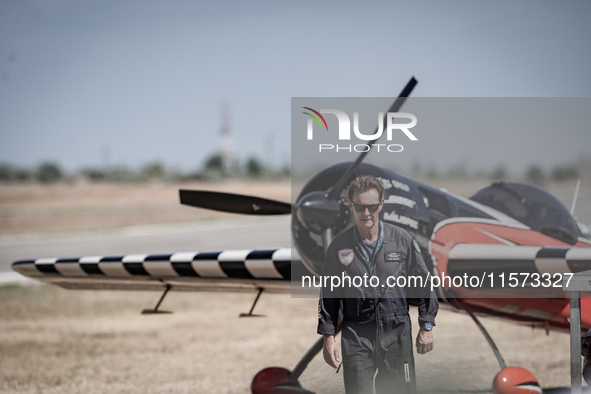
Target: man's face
<point x="366" y="219"/>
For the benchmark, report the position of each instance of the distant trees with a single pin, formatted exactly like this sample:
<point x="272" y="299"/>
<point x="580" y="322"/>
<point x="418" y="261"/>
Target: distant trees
<point x="562" y="173"/>
<point x="214" y="163"/>
<point x="11" y="173"/>
<point x="254" y="168"/>
<point x="113" y="174"/>
<point x="154" y="170"/>
<point x="212" y="170"/>
<point x="535" y="175"/>
<point x="498" y="174"/>
<point x="47" y="172"/>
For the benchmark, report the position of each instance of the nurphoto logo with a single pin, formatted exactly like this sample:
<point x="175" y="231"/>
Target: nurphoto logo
<point x="344" y="130"/>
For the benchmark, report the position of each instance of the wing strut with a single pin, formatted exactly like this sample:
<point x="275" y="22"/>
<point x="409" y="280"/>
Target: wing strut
<point x="490" y="341"/>
<point x="156" y="310"/>
<point x="249" y="314"/>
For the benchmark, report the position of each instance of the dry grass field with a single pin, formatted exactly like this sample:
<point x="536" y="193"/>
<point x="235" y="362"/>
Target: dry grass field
<point x="26" y="208"/>
<point x="60" y="341"/>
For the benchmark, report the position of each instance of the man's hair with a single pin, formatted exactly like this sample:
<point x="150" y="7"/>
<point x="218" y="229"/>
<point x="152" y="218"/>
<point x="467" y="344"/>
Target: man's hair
<point x="365" y="183"/>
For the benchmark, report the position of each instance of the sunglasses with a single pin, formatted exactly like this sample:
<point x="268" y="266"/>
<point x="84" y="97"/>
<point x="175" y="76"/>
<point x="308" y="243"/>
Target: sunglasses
<point x="361" y="207"/>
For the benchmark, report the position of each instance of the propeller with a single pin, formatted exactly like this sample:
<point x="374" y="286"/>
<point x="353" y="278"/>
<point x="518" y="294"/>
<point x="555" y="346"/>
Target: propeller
<point x="344" y="180"/>
<point x="233" y="203"/>
<point x="318" y="210"/>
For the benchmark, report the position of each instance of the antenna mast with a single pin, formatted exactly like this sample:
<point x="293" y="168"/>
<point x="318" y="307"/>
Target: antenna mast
<point x="225" y="132"/>
<point x="574" y="204"/>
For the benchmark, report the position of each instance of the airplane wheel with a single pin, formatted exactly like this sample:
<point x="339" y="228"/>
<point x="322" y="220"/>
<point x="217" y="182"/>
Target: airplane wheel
<point x="275" y="380"/>
<point x="515" y="380"/>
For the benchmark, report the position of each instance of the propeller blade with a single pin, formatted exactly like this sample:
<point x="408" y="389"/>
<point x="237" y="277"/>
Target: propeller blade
<point x="233" y="203"/>
<point x="336" y="190"/>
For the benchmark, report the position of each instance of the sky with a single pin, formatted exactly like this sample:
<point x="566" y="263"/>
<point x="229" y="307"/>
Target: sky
<point x="471" y="135"/>
<point x="125" y="83"/>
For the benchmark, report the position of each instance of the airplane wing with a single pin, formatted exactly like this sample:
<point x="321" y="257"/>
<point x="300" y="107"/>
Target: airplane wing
<point x="474" y="258"/>
<point x="512" y="270"/>
<point x="230" y="270"/>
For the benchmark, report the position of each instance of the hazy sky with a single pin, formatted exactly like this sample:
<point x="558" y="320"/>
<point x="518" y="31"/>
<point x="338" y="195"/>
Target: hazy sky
<point x="128" y="82"/>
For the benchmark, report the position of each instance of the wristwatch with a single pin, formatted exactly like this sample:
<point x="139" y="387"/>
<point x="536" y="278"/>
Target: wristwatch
<point x="427" y="326"/>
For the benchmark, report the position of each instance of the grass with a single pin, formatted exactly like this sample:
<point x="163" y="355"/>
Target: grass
<point x="64" y="341"/>
<point x="55" y="340"/>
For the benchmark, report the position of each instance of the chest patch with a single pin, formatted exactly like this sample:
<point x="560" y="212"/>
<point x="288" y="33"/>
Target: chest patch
<point x="346" y="256"/>
<point x="392" y="256"/>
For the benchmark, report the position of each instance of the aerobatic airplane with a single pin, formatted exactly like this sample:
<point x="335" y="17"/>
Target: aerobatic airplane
<point x="511" y="244"/>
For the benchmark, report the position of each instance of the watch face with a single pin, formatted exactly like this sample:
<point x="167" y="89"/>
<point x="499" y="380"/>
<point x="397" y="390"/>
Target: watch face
<point x="428" y="326"/>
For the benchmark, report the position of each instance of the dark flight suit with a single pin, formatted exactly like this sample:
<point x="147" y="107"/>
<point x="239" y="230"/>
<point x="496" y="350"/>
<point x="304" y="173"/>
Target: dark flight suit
<point x="376" y="327"/>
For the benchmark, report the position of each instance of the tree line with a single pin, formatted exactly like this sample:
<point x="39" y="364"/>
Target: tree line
<point x="253" y="168"/>
<point x="51" y="172"/>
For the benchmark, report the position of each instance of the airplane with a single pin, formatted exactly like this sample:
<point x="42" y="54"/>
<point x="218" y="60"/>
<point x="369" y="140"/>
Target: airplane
<point x="517" y="239"/>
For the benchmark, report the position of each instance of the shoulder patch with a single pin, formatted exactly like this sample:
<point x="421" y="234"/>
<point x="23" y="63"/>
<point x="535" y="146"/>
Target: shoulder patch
<point x="417" y="248"/>
<point x="346" y="256"/>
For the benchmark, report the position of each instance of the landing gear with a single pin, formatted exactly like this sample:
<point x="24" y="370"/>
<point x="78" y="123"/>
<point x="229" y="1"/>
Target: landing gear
<point x="280" y="380"/>
<point x="276" y="381"/>
<point x="515" y="380"/>
<point x="156" y="310"/>
<point x="249" y="314"/>
<point x="488" y="338"/>
<point x="508" y="379"/>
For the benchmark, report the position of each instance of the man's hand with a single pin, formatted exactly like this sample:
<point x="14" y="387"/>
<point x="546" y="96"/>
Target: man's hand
<point x="330" y="351"/>
<point x="424" y="341"/>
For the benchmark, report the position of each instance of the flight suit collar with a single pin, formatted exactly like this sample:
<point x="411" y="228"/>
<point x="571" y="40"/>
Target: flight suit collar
<point x="370" y="260"/>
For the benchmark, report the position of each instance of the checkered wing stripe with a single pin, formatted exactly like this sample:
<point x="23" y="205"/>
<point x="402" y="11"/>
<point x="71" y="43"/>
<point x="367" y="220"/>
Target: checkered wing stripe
<point x="232" y="264"/>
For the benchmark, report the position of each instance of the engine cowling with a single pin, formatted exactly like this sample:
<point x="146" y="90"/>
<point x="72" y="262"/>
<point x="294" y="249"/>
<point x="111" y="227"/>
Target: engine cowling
<point x="315" y="212"/>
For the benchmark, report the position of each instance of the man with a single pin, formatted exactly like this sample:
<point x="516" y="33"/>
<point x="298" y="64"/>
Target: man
<point x="376" y="328"/>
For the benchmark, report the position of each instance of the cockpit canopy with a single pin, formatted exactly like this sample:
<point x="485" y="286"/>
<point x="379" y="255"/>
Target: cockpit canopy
<point x="531" y="206"/>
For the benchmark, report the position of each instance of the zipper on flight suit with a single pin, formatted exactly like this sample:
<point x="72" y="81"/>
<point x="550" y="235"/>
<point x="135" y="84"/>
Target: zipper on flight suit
<point x="377" y="312"/>
<point x="375" y="300"/>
